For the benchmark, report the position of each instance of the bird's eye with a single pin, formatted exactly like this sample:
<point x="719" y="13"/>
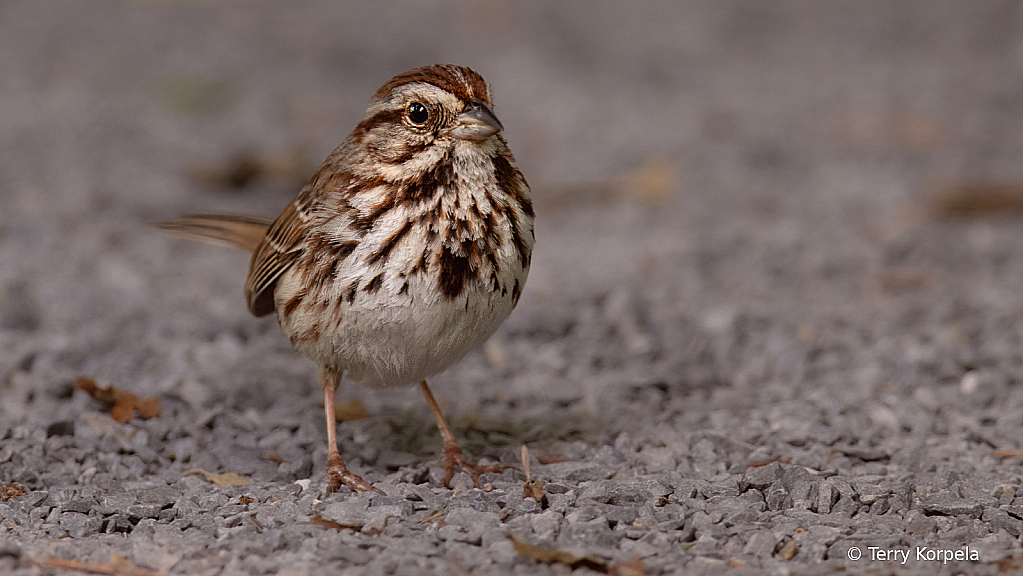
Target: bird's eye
<point x="417" y="113"/>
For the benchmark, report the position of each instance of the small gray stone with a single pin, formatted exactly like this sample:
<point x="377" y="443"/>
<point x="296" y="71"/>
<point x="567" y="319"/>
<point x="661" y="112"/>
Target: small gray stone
<point x="223" y="511"/>
<point x="144" y="530"/>
<point x="407" y="508"/>
<point x="845" y="507"/>
<point x="870" y="493"/>
<point x="736" y="510"/>
<point x="726" y="487"/>
<point x="777" y="497"/>
<point x="163" y="496"/>
<point x="949" y="505"/>
<point x="760" y="544"/>
<point x="561" y="502"/>
<point x="879" y="507"/>
<point x="575" y="472"/>
<point x="116" y="523"/>
<point x="761" y="477"/>
<point x="625" y="515"/>
<point x="1000" y="519"/>
<point x="546" y="525"/>
<point x="34" y="498"/>
<point x="80" y="505"/>
<point x="827" y="496"/>
<point x="472" y="520"/>
<point x="79" y="525"/>
<point x="1015" y="510"/>
<point x="116" y="502"/>
<point x="137" y="512"/>
<point x="919" y="524"/>
<point x="593" y="534"/>
<point x="619" y="495"/>
<point x="584" y="514"/>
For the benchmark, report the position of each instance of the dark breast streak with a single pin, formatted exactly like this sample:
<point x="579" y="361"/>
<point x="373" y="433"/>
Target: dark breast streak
<point x="457" y="263"/>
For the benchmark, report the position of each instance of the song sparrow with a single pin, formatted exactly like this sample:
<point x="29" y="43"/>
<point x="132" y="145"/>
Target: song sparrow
<point x="408" y="247"/>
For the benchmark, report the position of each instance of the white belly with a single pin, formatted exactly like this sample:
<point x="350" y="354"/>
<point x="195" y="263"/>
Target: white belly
<point x="387" y="339"/>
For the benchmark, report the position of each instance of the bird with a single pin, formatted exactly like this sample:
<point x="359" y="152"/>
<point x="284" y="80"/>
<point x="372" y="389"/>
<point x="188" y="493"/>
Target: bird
<point x="407" y="248"/>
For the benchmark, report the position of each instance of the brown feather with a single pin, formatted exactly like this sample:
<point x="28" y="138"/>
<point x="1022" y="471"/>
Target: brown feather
<point x="282" y="244"/>
<point x="231" y="230"/>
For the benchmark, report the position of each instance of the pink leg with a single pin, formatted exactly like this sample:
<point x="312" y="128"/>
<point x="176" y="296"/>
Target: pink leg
<point x="337" y="472"/>
<point x="452" y="453"/>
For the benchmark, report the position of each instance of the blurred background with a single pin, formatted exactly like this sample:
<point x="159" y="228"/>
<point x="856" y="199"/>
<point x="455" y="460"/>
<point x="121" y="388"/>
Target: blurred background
<point x="692" y="162"/>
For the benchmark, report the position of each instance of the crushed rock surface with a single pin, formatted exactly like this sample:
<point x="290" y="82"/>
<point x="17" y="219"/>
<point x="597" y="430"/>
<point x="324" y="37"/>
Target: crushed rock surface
<point x="748" y="345"/>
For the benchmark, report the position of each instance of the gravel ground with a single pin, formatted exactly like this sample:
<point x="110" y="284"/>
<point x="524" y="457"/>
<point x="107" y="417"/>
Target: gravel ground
<point x="756" y="337"/>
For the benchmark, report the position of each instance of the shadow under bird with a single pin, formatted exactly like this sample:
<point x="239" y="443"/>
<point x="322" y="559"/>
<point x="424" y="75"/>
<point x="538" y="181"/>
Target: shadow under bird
<point x="408" y="248"/>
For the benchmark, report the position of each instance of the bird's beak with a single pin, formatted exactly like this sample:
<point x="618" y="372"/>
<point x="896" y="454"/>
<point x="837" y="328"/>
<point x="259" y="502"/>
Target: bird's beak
<point x="477" y="122"/>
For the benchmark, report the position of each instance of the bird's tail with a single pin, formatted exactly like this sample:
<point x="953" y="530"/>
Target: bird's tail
<point x="233" y="230"/>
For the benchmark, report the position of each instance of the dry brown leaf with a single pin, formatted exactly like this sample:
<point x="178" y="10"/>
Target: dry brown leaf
<point x="1012" y="564"/>
<point x="12" y="490"/>
<point x="350" y="410"/>
<point x="634" y="567"/>
<point x="900" y="280"/>
<point x="977" y="199"/>
<point x="222" y="480"/>
<point x="437" y="517"/>
<point x="909" y="129"/>
<point x="655" y="179"/>
<point x="118" y="566"/>
<point x="524" y="455"/>
<point x="535" y="491"/>
<point x="245" y="500"/>
<point x="149" y="408"/>
<point x="784" y="460"/>
<point x="555" y="556"/>
<point x="335" y="525"/>
<point x="123" y="410"/>
<point x="790" y="550"/>
<point x="121" y="403"/>
<point x="246" y="167"/>
<point x="544" y="457"/>
<point x="1007" y="453"/>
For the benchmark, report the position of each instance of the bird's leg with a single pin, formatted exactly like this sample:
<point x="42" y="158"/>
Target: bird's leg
<point x="337" y="472"/>
<point x="452" y="453"/>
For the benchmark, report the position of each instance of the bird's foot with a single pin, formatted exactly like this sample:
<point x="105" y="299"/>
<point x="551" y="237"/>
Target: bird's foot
<point x="338" y="474"/>
<point x="453" y="457"/>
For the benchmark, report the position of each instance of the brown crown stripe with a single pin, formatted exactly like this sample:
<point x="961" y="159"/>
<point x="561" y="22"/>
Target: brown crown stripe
<point x="464" y="83"/>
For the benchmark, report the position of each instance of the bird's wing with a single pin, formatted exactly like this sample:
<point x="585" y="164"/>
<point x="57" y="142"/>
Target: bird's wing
<point x="282" y="245"/>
